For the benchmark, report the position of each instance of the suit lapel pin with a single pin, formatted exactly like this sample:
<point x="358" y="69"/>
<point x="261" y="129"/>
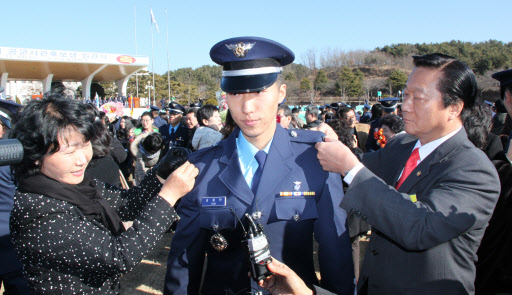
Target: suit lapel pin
<point x="418" y="173"/>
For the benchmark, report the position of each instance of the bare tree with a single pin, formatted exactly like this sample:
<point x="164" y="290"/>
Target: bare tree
<point x="373" y="84"/>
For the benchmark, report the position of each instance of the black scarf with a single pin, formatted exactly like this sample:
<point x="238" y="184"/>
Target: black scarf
<point x="84" y="195"/>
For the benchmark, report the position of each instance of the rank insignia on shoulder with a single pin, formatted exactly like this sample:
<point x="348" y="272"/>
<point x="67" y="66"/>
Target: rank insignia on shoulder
<point x="213" y="201"/>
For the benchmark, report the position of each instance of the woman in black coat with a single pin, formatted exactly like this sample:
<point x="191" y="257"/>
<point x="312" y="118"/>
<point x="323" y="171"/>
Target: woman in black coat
<point x="71" y="231"/>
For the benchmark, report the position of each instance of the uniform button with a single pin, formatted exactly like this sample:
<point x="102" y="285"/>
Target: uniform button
<point x="375" y="253"/>
<point x="358" y="213"/>
<point x="296" y="217"/>
<point x="364" y="217"/>
<point x="352" y="211"/>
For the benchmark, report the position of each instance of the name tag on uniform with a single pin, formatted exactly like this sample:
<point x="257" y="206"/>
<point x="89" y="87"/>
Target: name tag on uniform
<point x="213" y="201"/>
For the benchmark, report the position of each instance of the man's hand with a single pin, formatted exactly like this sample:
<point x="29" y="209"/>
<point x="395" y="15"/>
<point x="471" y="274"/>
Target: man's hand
<point x="284" y="280"/>
<point x="336" y="157"/>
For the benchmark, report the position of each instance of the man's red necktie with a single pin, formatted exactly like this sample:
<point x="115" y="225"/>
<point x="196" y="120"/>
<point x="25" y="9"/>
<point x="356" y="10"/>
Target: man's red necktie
<point x="412" y="162"/>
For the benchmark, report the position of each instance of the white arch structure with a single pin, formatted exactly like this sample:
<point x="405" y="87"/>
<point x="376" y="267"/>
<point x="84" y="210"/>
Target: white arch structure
<point x="68" y="66"/>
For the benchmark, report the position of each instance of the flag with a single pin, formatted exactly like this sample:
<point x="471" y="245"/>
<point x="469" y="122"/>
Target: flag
<point x="130" y="99"/>
<point x="153" y="21"/>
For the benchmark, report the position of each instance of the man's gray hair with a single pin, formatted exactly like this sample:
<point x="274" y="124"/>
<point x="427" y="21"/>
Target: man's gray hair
<point x="313" y="110"/>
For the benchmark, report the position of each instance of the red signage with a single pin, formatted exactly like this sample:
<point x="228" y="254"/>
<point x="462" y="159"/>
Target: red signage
<point x="125" y="59"/>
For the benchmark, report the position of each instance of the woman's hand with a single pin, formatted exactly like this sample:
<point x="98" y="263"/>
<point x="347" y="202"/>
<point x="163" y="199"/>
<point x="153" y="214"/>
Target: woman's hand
<point x="179" y="183"/>
<point x="284" y="280"/>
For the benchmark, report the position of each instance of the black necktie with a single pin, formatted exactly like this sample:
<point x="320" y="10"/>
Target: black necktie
<point x="260" y="157"/>
<point x="173" y="135"/>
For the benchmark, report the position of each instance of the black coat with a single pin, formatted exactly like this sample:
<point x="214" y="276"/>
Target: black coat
<point x="63" y="252"/>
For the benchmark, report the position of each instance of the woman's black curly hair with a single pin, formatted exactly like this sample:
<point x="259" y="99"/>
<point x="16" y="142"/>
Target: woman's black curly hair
<point x="40" y="125"/>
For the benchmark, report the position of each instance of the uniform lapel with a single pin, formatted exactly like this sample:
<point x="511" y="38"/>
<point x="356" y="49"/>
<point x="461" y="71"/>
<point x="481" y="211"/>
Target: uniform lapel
<point x="230" y="172"/>
<point x="276" y="169"/>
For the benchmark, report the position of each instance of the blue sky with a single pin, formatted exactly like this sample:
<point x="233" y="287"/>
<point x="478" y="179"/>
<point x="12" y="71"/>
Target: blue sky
<point x="195" y="26"/>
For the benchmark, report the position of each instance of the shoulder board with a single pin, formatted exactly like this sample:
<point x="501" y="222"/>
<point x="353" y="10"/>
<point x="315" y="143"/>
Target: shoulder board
<point x="305" y="136"/>
<point x="195" y="156"/>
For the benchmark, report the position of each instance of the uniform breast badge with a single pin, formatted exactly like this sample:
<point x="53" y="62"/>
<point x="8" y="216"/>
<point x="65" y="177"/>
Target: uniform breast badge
<point x="218" y="241"/>
<point x="296" y="192"/>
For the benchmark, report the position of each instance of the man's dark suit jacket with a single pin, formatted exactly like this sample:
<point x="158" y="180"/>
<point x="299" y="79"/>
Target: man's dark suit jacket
<point x="428" y="246"/>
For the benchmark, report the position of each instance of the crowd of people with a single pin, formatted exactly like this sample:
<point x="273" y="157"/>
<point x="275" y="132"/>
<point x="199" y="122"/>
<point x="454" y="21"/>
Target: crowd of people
<point x="426" y="178"/>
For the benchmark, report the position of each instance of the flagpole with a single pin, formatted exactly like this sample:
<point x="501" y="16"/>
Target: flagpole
<point x="152" y="64"/>
<point x="168" y="78"/>
<point x="136" y="76"/>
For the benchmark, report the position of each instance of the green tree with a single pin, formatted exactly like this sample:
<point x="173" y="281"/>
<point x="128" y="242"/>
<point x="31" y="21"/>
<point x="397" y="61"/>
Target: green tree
<point x="305" y="84"/>
<point x="356" y="87"/>
<point x="290" y="76"/>
<point x="320" y="80"/>
<point x="345" y="79"/>
<point x="397" y="80"/>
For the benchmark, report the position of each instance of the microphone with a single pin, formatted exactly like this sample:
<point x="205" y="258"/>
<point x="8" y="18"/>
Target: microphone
<point x="11" y="152"/>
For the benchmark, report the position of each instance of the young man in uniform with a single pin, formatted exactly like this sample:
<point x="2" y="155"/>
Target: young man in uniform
<point x="263" y="170"/>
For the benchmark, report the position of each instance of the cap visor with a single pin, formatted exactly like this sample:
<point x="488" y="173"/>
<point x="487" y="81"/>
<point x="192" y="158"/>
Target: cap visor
<point x="6" y="122"/>
<point x="246" y="84"/>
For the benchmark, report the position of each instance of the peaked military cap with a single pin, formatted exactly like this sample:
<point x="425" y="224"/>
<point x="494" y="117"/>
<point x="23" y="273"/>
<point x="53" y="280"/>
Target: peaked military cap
<point x="250" y="64"/>
<point x="154" y="108"/>
<point x="367" y="106"/>
<point x="505" y="79"/>
<point x="7" y="109"/>
<point x="176" y="108"/>
<point x="389" y="104"/>
<point x="196" y="105"/>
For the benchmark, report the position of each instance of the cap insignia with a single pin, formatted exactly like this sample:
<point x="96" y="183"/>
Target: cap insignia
<point x="240" y="49"/>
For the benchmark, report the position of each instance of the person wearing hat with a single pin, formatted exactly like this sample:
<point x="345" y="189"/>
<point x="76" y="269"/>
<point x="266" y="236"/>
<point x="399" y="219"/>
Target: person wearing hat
<point x="494" y="267"/>
<point x="175" y="133"/>
<point x="10" y="267"/>
<point x="367" y="114"/>
<point x="196" y="105"/>
<point x="157" y="120"/>
<point x="256" y="171"/>
<point x="389" y="106"/>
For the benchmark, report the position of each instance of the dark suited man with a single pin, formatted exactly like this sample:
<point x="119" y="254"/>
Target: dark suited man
<point x="175" y="133"/>
<point x="425" y="232"/>
<point x="288" y="193"/>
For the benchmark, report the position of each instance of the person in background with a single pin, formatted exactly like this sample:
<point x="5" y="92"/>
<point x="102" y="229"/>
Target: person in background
<point x="296" y="122"/>
<point x="11" y="275"/>
<point x="391" y="126"/>
<point x="191" y="123"/>
<point x="210" y="123"/>
<point x="367" y="115"/>
<point x="103" y="164"/>
<point x="175" y="133"/>
<point x="494" y="265"/>
<point x="477" y="124"/>
<point x="389" y="107"/>
<point x="498" y="121"/>
<point x="147" y="121"/>
<point x="359" y="130"/>
<point x="229" y="126"/>
<point x="312" y="117"/>
<point x="70" y="230"/>
<point x="146" y="150"/>
<point x="284" y="114"/>
<point x="158" y="121"/>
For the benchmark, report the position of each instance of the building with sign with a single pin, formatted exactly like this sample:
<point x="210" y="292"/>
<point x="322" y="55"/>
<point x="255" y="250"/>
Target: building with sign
<point x="30" y="66"/>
